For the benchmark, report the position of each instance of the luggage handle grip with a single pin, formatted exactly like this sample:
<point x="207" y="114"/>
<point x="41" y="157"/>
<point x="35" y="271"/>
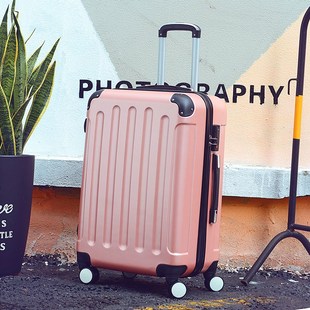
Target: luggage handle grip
<point x="215" y="191"/>
<point x="196" y="31"/>
<point x="195" y="50"/>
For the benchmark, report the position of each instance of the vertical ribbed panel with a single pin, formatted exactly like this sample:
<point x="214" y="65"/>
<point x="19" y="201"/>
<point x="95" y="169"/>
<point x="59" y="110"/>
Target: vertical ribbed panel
<point x="128" y="177"/>
<point x="109" y="185"/>
<point x="94" y="175"/>
<point x="184" y="161"/>
<point x="135" y="175"/>
<point x="160" y="186"/>
<point x="144" y="176"/>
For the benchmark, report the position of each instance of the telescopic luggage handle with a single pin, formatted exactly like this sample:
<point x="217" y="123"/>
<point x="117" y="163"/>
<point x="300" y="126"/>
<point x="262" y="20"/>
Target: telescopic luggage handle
<point x="162" y="34"/>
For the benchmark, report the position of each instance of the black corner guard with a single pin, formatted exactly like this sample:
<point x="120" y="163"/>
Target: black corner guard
<point x="169" y="271"/>
<point x="83" y="260"/>
<point x="185" y="104"/>
<point x="95" y="95"/>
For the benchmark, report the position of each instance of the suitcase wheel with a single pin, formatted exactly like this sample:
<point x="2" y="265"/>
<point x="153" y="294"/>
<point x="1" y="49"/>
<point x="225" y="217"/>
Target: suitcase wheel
<point x="177" y="290"/>
<point x="215" y="284"/>
<point x="129" y="275"/>
<point x="89" y="275"/>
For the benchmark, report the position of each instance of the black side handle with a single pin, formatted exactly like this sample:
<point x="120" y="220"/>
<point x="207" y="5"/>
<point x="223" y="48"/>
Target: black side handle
<point x="196" y="31"/>
<point x="215" y="188"/>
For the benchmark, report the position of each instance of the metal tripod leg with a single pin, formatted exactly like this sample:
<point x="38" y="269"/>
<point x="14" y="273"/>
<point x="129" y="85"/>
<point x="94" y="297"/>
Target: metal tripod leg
<point x="272" y="244"/>
<point x="294" y="166"/>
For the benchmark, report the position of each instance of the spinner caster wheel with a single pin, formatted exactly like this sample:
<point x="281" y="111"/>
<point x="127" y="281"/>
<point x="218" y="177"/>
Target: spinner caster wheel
<point x="89" y="275"/>
<point x="129" y="275"/>
<point x="214" y="284"/>
<point x="177" y="290"/>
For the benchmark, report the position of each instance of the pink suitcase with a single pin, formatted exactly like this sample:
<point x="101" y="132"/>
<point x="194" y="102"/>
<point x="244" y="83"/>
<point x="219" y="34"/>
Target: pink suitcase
<point x="152" y="179"/>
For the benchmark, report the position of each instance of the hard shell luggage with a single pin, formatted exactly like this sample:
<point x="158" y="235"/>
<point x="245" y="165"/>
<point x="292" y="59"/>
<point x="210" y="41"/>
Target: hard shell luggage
<point x="152" y="180"/>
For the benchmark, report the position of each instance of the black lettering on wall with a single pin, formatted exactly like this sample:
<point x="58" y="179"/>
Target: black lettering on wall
<point x="221" y="92"/>
<point x="255" y="93"/>
<point x="85" y="85"/>
<point x="99" y="86"/>
<point x="260" y="94"/>
<point x="238" y="90"/>
<point x="203" y="88"/>
<point x="121" y="83"/>
<point x="275" y="93"/>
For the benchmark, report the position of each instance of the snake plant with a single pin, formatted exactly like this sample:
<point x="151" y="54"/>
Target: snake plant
<point x="25" y="87"/>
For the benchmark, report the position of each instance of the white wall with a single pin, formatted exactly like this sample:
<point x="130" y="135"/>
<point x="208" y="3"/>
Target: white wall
<point x="80" y="53"/>
<point x="243" y="43"/>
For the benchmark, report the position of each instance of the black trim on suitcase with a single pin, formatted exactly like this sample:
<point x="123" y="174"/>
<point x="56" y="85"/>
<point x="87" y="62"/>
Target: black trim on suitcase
<point x="211" y="271"/>
<point x="83" y="260"/>
<point x="202" y="229"/>
<point x="95" y="95"/>
<point x="168" y="271"/>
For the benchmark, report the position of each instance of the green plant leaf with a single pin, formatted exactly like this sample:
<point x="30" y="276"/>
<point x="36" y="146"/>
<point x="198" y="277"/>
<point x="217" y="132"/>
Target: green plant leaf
<point x="1" y="149"/>
<point x="39" y="73"/>
<point x="9" y="65"/>
<point x="21" y="71"/>
<point x="18" y="132"/>
<point x="22" y="83"/>
<point x="3" y="33"/>
<point x="6" y="126"/>
<point x="19" y="114"/>
<point x="39" y="103"/>
<point x="30" y="36"/>
<point x="32" y="60"/>
<point x="17" y="120"/>
<point x="13" y="10"/>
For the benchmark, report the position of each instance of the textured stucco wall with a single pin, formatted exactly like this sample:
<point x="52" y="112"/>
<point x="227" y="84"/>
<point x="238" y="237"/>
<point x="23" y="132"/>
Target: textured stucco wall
<point x="247" y="225"/>
<point x="249" y="44"/>
<point x="243" y="42"/>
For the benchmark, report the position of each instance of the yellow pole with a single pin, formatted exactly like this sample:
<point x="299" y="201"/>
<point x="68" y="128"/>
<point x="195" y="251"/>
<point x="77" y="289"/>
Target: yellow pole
<point x="297" y="118"/>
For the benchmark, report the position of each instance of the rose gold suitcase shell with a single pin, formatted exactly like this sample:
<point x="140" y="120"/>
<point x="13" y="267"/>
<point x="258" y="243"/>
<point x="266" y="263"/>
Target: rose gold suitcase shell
<point x="142" y="181"/>
<point x="152" y="179"/>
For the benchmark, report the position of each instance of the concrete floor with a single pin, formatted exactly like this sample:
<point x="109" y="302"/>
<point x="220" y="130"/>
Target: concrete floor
<point x="47" y="283"/>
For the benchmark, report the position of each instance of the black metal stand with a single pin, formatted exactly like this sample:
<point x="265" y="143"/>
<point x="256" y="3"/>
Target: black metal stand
<point x="292" y="226"/>
<point x="269" y="248"/>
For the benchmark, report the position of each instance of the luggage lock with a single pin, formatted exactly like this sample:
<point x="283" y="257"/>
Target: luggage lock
<point x="215" y="138"/>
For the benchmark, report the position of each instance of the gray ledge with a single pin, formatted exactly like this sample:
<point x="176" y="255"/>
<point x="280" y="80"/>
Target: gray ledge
<point x="58" y="172"/>
<point x="239" y="181"/>
<point x="262" y="182"/>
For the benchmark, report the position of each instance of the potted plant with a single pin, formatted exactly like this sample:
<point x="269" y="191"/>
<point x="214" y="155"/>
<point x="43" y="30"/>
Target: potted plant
<point x="25" y="91"/>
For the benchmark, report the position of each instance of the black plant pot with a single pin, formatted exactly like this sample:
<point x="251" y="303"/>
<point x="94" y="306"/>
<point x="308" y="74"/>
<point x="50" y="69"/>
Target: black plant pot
<point x="16" y="183"/>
